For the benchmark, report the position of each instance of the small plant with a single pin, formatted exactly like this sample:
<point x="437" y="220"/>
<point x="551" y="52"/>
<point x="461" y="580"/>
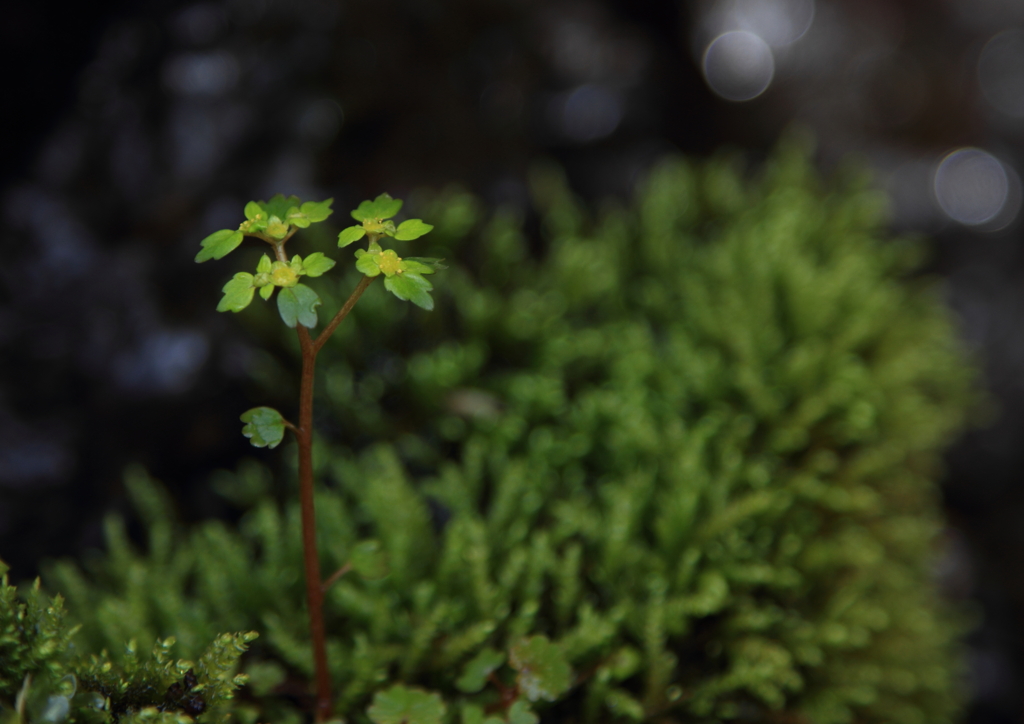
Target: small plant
<point x="275" y="222"/>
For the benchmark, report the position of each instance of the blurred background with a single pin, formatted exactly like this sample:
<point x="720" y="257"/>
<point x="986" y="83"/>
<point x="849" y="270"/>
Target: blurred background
<point x="136" y="127"/>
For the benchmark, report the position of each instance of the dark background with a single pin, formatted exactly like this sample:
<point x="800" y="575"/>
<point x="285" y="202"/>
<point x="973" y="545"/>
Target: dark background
<point x="134" y="128"/>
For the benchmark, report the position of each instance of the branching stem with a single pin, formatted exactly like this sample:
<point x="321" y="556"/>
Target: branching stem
<point x="311" y="559"/>
<point x="336" y="576"/>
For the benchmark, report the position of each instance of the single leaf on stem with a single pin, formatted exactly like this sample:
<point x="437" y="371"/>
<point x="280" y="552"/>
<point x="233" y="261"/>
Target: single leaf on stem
<point x="350" y="235"/>
<point x="406" y="705"/>
<point x="412" y="229"/>
<point x="219" y="244"/>
<point x="264" y="426"/>
<point x="317" y="264"/>
<point x="369" y="560"/>
<point x="237" y="293"/>
<point x="542" y="670"/>
<point x="297" y="305"/>
<point x="411" y="288"/>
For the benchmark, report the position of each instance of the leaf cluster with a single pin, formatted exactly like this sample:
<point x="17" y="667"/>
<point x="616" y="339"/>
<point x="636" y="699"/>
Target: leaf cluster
<point x="275" y="222"/>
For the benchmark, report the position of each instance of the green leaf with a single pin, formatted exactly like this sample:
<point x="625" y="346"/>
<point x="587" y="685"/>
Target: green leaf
<point x="542" y="671"/>
<point x="316" y="264"/>
<point x="412" y="229"/>
<point x="417" y="267"/>
<point x="237" y="293"/>
<point x="369" y="560"/>
<point x="297" y="305"/>
<point x="405" y="705"/>
<point x="434" y="264"/>
<point x="265" y="264"/>
<point x="475" y="673"/>
<point x="350" y="235"/>
<point x="297" y="218"/>
<point x="472" y="713"/>
<point x="266" y="291"/>
<point x="264" y="426"/>
<point x="367" y="262"/>
<point x="219" y="244"/>
<point x="410" y="287"/>
<point x="382" y="207"/>
<point x="279" y="205"/>
<point x="623" y="663"/>
<point x="520" y="713"/>
<point x="253" y="211"/>
<point x="317" y="211"/>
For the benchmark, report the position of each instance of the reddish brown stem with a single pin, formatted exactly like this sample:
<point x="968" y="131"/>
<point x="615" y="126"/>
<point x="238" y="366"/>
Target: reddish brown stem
<point x="342" y="313"/>
<point x="507" y="694"/>
<point x="311" y="559"/>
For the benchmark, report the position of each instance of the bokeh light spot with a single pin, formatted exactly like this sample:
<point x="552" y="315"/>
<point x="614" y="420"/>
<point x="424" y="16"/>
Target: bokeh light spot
<point x="1001" y="72"/>
<point x="210" y="74"/>
<point x="971" y="186"/>
<point x="590" y="112"/>
<point x="739" y="65"/>
<point x="778" y="22"/>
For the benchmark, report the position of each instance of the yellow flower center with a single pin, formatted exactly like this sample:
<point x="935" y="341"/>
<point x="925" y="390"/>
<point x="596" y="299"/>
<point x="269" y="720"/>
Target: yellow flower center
<point x="283" y="276"/>
<point x="390" y="263"/>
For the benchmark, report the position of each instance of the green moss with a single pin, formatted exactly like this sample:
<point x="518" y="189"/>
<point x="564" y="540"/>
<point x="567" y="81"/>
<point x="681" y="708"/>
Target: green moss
<point x="694" y="444"/>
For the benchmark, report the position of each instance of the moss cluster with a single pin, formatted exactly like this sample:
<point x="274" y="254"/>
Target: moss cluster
<point x="693" y="442"/>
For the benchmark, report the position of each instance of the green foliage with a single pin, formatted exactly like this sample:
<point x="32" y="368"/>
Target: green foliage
<point x="478" y="669"/>
<point x="272" y="221"/>
<point x="45" y="679"/>
<point x="34" y="639"/>
<point x="264" y="426"/>
<point x="404" y="705"/>
<point x="219" y="244"/>
<point x="369" y="560"/>
<point x="542" y="673"/>
<point x="297" y="305"/>
<point x="381" y="208"/>
<point x="275" y="222"/>
<point x="692" y="445"/>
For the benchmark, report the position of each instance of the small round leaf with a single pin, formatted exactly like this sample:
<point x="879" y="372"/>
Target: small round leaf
<point x="369" y="560"/>
<point x="543" y="672"/>
<point x="411" y="288"/>
<point x="406" y="705"/>
<point x="297" y="305"/>
<point x="264" y="426"/>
